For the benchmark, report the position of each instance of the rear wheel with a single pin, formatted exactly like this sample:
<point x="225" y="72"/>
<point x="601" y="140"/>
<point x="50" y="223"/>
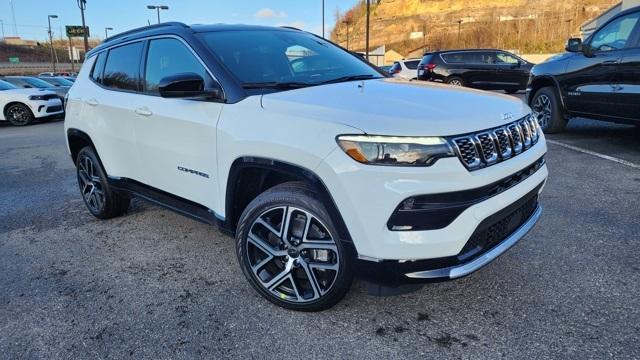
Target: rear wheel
<point x="19" y="115"/>
<point x="546" y="104"/>
<point x="102" y="201"/>
<point x="455" y="81"/>
<point x="289" y="251"/>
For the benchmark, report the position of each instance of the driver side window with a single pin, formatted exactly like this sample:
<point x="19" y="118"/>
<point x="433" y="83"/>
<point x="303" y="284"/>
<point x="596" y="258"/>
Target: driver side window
<point x="616" y="34"/>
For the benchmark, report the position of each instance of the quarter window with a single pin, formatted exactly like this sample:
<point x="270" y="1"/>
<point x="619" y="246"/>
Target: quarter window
<point x="122" y="69"/>
<point x="412" y="65"/>
<point x="167" y="57"/>
<point x="98" y="66"/>
<point x="616" y="34"/>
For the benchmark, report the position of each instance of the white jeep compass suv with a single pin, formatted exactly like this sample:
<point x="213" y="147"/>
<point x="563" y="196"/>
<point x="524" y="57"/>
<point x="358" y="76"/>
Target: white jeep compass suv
<point x="287" y="141"/>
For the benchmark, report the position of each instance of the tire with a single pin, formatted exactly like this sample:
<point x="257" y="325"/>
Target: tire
<point x="455" y="81"/>
<point x="295" y="268"/>
<point x="102" y="201"/>
<point x="19" y="115"/>
<point x="511" y="92"/>
<point x="550" y="114"/>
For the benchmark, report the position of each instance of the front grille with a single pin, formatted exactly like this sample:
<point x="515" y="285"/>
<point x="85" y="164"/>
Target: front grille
<point x="467" y="152"/>
<point x="56" y="108"/>
<point x="485" y="148"/>
<point x="497" y="228"/>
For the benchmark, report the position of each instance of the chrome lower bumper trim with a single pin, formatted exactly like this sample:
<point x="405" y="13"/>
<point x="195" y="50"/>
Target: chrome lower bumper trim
<point x="454" y="272"/>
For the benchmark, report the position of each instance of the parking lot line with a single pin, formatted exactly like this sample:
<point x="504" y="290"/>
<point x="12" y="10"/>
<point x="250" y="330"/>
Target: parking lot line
<point x="589" y="152"/>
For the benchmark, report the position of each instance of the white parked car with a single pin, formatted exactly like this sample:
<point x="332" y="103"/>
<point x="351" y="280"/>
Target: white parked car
<point x="405" y="69"/>
<point x="308" y="167"/>
<point x="22" y="106"/>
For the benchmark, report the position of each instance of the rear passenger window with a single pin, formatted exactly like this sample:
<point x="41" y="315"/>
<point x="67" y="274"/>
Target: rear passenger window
<point x="167" y="57"/>
<point x="122" y="69"/>
<point x="459" y="58"/>
<point x="98" y="66"/>
<point x="412" y="65"/>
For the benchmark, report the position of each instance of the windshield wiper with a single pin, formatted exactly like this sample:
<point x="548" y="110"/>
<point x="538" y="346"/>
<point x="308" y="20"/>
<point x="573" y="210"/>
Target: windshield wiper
<point x="275" y="85"/>
<point x="349" y="78"/>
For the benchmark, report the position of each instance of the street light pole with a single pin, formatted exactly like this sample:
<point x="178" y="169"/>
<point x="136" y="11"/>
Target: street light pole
<point x="106" y="31"/>
<point x="82" y="4"/>
<point x="2" y="25"/>
<point x="53" y="59"/>
<point x="158" y="8"/>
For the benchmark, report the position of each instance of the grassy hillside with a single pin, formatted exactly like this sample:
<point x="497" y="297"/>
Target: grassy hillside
<point x="529" y="26"/>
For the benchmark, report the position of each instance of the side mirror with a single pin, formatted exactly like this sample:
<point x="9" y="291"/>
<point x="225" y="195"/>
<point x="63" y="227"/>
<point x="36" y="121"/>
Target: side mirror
<point x="186" y="85"/>
<point x="574" y="45"/>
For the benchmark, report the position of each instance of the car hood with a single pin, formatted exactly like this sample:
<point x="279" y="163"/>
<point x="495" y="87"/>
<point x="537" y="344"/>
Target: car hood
<point x="402" y="108"/>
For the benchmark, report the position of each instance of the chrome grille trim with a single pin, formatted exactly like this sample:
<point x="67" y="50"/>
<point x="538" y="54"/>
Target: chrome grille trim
<point x="504" y="143"/>
<point x="485" y="148"/>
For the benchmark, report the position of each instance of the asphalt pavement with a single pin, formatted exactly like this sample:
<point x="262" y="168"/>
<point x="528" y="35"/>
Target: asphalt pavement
<point x="154" y="285"/>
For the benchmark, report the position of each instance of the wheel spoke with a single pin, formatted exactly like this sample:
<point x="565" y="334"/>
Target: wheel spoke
<point x="280" y="277"/>
<point x="269" y="227"/>
<point x="324" y="266"/>
<point x="311" y="277"/>
<point x="265" y="247"/>
<point x="314" y="245"/>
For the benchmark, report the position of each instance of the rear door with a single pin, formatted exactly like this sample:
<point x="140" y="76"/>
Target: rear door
<point x="411" y="69"/>
<point x="590" y="80"/>
<point x="177" y="137"/>
<point x="627" y="79"/>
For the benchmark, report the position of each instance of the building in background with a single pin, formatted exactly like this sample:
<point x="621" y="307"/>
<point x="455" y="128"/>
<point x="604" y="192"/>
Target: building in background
<point x="592" y="25"/>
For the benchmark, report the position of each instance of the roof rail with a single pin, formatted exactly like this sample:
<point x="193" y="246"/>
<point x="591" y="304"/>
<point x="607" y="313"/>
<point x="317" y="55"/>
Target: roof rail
<point x="144" y="28"/>
<point x="290" y="28"/>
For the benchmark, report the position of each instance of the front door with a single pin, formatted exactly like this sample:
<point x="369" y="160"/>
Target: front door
<point x="590" y="83"/>
<point x="627" y="81"/>
<point x="511" y="75"/>
<point x="177" y="137"/>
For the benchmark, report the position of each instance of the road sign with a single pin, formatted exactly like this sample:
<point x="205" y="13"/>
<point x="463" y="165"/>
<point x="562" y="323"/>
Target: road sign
<point x="77" y="31"/>
<point x="14" y="60"/>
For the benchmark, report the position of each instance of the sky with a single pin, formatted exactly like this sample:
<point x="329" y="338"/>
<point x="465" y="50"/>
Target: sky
<point x="122" y="15"/>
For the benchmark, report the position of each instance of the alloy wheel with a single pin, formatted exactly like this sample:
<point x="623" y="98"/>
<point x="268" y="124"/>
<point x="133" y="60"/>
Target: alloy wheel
<point x="18" y="115"/>
<point x="90" y="185"/>
<point x="542" y="106"/>
<point x="455" y="82"/>
<point x="292" y="254"/>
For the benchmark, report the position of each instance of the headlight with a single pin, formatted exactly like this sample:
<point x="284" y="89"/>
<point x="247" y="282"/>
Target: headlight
<point x="395" y="150"/>
<point x="36" y="97"/>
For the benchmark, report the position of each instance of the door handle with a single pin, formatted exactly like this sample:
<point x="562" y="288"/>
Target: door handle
<point x="92" y="102"/>
<point x="143" y="111"/>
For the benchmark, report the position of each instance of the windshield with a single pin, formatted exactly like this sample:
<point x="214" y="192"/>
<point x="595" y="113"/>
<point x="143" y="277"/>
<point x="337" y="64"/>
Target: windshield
<point x="6" y="86"/>
<point x="37" y="83"/>
<point x="270" y="58"/>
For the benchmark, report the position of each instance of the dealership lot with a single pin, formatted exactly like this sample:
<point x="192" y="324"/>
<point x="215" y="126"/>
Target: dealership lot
<point x="156" y="285"/>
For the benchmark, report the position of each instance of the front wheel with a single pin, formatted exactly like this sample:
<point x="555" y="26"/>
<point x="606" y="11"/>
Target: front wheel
<point x="19" y="115"/>
<point x="102" y="201"/>
<point x="289" y="251"/>
<point x="546" y="104"/>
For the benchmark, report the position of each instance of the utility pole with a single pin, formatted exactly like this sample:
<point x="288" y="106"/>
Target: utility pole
<point x="347" y="22"/>
<point x="53" y="59"/>
<point x="13" y="16"/>
<point x="82" y="4"/>
<point x="2" y="25"/>
<point x="158" y="8"/>
<point x="459" y="27"/>
<point x="367" y="40"/>
<point x="106" y="31"/>
<point x="323" y="19"/>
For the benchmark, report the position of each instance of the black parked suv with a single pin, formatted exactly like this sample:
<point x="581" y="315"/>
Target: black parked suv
<point x="598" y="78"/>
<point x="485" y="69"/>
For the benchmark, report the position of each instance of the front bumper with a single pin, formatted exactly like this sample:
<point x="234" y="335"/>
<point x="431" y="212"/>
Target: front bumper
<point x="47" y="108"/>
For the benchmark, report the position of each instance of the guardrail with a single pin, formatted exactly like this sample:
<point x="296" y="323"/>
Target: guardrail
<point x="8" y="68"/>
